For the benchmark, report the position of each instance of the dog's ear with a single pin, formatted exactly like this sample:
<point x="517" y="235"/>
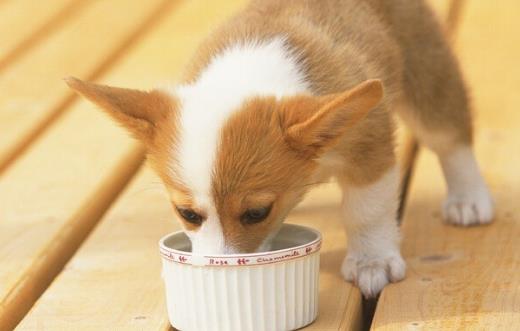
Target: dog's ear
<point x="138" y="111"/>
<point x="311" y="124"/>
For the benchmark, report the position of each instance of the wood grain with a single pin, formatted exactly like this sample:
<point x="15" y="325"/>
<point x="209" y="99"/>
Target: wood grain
<point x="121" y="289"/>
<point x="32" y="93"/>
<point x="104" y="284"/>
<point x="25" y="22"/>
<point x="54" y="194"/>
<point x="157" y="58"/>
<point x="468" y="279"/>
<point x="113" y="282"/>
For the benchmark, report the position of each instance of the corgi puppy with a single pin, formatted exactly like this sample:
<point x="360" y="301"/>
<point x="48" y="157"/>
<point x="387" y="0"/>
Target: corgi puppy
<point x="287" y="94"/>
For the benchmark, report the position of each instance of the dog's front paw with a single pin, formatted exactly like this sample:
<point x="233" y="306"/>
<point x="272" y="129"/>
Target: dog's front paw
<point x="469" y="208"/>
<point x="372" y="274"/>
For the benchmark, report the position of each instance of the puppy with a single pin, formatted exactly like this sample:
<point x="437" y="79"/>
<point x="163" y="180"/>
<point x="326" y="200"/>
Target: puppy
<point x="289" y="93"/>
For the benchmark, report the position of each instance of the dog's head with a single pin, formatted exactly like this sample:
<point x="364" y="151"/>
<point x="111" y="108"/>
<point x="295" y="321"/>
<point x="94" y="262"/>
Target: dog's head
<point x="235" y="171"/>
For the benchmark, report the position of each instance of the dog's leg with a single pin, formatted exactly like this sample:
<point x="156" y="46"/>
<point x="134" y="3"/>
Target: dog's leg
<point x="373" y="258"/>
<point x="450" y="136"/>
<point x="469" y="201"/>
<point x="437" y="109"/>
<point x="443" y="123"/>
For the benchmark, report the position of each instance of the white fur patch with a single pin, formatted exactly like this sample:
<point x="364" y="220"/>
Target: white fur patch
<point x="373" y="258"/>
<point x="238" y="73"/>
<point x="469" y="201"/>
<point x="209" y="238"/>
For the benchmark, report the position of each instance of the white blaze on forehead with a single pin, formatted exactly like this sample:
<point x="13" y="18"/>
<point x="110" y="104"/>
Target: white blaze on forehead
<point x="209" y="238"/>
<point x="239" y="72"/>
<point x="232" y="76"/>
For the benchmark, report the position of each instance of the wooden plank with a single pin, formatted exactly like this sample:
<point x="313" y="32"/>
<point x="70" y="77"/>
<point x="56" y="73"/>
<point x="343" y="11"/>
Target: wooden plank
<point x="141" y="216"/>
<point x="25" y="22"/>
<point x="32" y="93"/>
<point x="113" y="282"/>
<point x="468" y="279"/>
<point x="105" y="286"/>
<point x="45" y="213"/>
<point x="54" y="194"/>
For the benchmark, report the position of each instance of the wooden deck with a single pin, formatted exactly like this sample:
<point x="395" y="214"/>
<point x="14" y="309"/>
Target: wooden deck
<point x="80" y="217"/>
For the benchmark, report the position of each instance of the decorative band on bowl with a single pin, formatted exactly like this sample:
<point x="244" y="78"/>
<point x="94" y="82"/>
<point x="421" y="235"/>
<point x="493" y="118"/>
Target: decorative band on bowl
<point x="261" y="258"/>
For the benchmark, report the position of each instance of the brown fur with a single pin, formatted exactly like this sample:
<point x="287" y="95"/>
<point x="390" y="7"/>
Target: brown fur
<point x="270" y="148"/>
<point x="324" y="120"/>
<point x="254" y="159"/>
<point x="151" y="117"/>
<point x="341" y="43"/>
<point x="138" y="111"/>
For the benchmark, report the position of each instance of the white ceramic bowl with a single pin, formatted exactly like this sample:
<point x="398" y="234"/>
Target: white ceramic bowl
<point x="275" y="290"/>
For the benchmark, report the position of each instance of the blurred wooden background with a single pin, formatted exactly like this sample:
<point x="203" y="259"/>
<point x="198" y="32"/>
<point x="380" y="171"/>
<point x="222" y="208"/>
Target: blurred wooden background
<point x="80" y="217"/>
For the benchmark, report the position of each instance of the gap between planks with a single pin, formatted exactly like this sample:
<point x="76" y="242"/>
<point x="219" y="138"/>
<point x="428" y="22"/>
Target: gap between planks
<point x="341" y="301"/>
<point x="41" y="32"/>
<point x="53" y="257"/>
<point x="182" y="18"/>
<point x="410" y="153"/>
<point x="26" y="138"/>
<point x="63" y="246"/>
<point x="467" y="277"/>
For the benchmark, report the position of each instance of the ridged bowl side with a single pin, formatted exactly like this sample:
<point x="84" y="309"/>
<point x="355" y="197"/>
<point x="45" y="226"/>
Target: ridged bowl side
<point x="277" y="296"/>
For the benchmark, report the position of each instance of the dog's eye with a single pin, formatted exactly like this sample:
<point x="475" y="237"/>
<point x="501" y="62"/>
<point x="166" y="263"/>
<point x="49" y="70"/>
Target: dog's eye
<point x="190" y="215"/>
<point x="255" y="215"/>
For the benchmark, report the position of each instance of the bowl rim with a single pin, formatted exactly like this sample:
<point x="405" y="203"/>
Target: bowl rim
<point x="241" y="259"/>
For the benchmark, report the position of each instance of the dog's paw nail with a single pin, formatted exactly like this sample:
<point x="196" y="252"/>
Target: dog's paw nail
<point x="471" y="208"/>
<point x="372" y="275"/>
